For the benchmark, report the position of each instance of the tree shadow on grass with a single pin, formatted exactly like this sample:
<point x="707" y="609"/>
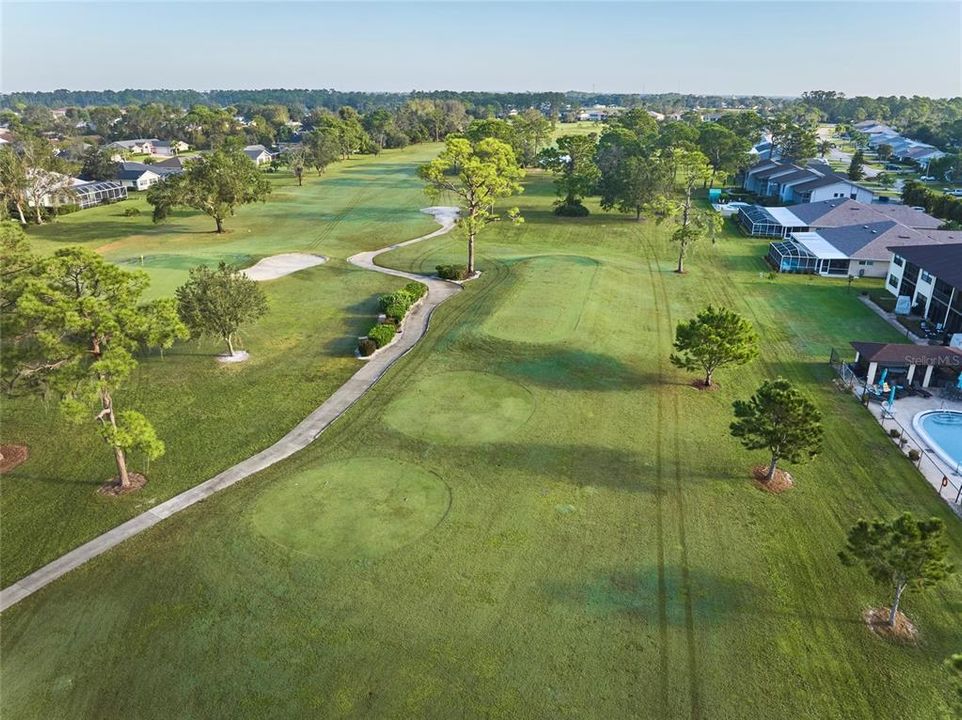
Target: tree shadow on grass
<point x="634" y="593"/>
<point x="564" y="368"/>
<point x="581" y="465"/>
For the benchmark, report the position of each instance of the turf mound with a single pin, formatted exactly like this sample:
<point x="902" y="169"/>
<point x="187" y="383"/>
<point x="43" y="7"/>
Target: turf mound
<point x="546" y="303"/>
<point x="352" y="509"/>
<point x="461" y="407"/>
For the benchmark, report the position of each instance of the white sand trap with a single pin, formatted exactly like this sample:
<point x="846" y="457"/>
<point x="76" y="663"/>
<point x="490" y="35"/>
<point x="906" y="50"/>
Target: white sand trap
<point x="276" y="266"/>
<point x="237" y="357"/>
<point x="444" y="215"/>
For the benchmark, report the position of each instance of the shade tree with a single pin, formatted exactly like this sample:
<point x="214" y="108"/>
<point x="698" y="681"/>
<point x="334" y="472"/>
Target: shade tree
<point x="219" y="301"/>
<point x="476" y="176"/>
<point x="572" y="161"/>
<point x="216" y="184"/>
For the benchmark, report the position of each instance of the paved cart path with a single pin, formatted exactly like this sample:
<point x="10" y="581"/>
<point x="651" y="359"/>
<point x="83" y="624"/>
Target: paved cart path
<point x="415" y="325"/>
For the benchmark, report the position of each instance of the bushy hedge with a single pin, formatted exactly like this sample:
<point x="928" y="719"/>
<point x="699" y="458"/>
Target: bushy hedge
<point x="382" y="334"/>
<point x="416" y="289"/>
<point x="396" y="304"/>
<point x="452" y="272"/>
<point x="935" y="203"/>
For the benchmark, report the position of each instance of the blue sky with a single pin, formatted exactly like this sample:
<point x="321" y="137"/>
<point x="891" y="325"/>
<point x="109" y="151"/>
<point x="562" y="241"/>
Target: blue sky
<point x="773" y="48"/>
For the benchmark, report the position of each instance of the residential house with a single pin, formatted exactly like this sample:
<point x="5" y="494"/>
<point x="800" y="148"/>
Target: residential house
<point x="139" y="176"/>
<point x="259" y="154"/>
<point x="791" y="183"/>
<point x="139" y="146"/>
<point x="931" y="277"/>
<point x="857" y="250"/>
<point x="759" y="221"/>
<point x="169" y="148"/>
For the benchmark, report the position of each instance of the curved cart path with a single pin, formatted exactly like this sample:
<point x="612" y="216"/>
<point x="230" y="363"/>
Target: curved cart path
<point x="415" y="325"/>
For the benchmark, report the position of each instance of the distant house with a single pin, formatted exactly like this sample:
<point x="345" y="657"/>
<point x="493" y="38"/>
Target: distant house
<point x="150" y="146"/>
<point x="176" y="162"/>
<point x="139" y="146"/>
<point x="931" y="276"/>
<point x="258" y="154"/>
<point x="903" y="148"/>
<point x="139" y="176"/>
<point x="790" y="183"/>
<point x="169" y="148"/>
<point x="64" y="190"/>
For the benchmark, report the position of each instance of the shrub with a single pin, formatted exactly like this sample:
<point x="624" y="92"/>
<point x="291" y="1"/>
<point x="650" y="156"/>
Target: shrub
<point x="895" y="432"/>
<point x="131" y="212"/>
<point x="914" y="455"/>
<point x="399" y="297"/>
<point x="366" y="346"/>
<point x="397" y="310"/>
<point x="416" y="290"/>
<point x="382" y="334"/>
<point x="452" y="272"/>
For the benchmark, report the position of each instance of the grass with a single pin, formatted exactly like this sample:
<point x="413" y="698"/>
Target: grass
<point x="211" y="416"/>
<point x="603" y="555"/>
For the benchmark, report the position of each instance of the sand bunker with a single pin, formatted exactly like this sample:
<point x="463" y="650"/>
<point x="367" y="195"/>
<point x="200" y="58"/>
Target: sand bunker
<point x="275" y="266"/>
<point x="443" y="214"/>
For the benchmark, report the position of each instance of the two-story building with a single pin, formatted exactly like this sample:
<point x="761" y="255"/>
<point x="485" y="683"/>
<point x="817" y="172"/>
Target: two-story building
<point x="930" y="276"/>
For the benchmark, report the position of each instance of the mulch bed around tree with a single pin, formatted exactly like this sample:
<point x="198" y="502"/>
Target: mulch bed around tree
<point x="700" y="385"/>
<point x="112" y="486"/>
<point x="13" y="455"/>
<point x="780" y="483"/>
<point x="877" y="620"/>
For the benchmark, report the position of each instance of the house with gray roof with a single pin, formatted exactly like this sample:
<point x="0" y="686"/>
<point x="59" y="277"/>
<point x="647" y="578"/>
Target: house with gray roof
<point x="791" y="183"/>
<point x="848" y="239"/>
<point x="258" y="154"/>
<point x="140" y="176"/>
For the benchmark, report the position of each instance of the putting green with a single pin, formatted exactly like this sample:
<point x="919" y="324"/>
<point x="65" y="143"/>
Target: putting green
<point x="546" y="302"/>
<point x="358" y="508"/>
<point x="461" y="407"/>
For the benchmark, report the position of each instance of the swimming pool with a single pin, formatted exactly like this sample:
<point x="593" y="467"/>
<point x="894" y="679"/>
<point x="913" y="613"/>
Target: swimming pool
<point x="942" y="429"/>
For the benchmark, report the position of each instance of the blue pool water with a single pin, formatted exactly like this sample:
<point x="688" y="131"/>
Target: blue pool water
<point x="945" y="430"/>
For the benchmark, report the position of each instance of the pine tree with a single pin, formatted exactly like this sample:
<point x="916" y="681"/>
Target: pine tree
<point x="778" y="418"/>
<point x="901" y="553"/>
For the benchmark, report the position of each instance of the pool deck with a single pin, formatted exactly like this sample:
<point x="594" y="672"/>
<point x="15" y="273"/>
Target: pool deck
<point x="932" y="467"/>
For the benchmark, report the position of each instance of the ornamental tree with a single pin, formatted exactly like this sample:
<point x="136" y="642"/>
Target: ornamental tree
<point x="217" y="184"/>
<point x="716" y="337"/>
<point x="477" y="175"/>
<point x="899" y="554"/>
<point x="778" y="418"/>
<point x="217" y="302"/>
<point x="76" y="325"/>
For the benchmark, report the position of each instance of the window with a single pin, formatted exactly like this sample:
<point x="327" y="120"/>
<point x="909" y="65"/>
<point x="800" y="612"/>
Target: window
<point x="926" y="277"/>
<point x="898" y="261"/>
<point x="893" y="281"/>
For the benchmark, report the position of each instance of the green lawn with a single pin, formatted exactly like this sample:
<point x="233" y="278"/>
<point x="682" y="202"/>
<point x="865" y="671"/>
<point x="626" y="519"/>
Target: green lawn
<point x="212" y="416"/>
<point x="532" y="515"/>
